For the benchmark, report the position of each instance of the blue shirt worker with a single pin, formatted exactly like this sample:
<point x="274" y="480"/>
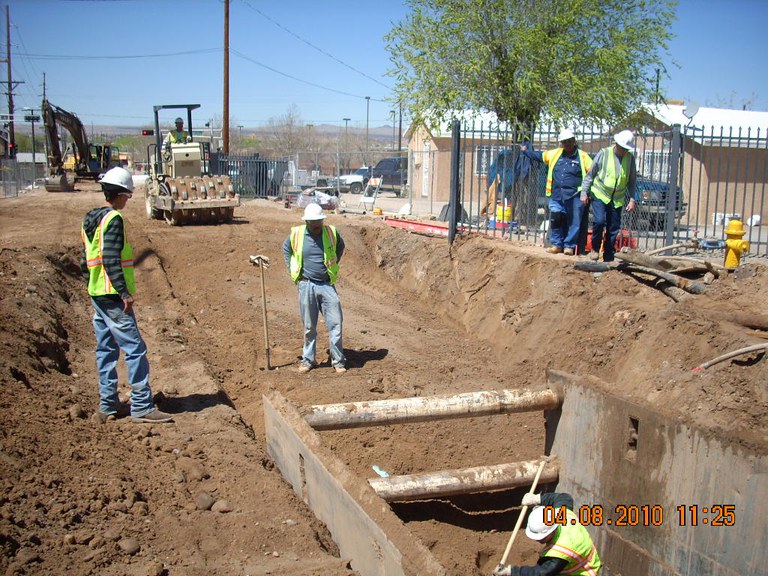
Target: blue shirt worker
<point x="312" y="253"/>
<point x="107" y="266"/>
<point x="568" y="547"/>
<point x="611" y="180"/>
<point x="567" y="167"/>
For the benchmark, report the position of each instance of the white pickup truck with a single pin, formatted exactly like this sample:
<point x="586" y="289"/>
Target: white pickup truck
<point x="355" y="182"/>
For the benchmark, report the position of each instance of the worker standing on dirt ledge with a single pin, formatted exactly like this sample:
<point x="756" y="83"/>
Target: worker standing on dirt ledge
<point x="107" y="266"/>
<point x="568" y="546"/>
<point x="312" y="253"/>
<point x="612" y="177"/>
<point x="567" y="167"/>
<point x="177" y="136"/>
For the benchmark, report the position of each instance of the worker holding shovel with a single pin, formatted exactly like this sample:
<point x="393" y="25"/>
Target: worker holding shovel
<point x="568" y="548"/>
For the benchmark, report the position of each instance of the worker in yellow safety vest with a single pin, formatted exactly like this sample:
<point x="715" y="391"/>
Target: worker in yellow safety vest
<point x="107" y="265"/>
<point x="177" y="136"/>
<point x="610" y="183"/>
<point x="567" y="166"/>
<point x="568" y="547"/>
<point x="312" y="253"/>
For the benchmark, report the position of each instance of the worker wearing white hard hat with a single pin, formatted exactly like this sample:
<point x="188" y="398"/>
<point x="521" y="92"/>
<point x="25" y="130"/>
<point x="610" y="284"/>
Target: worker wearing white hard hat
<point x="178" y="135"/>
<point x="567" y="165"/>
<point x="568" y="547"/>
<point x="610" y="183"/>
<point x="107" y="264"/>
<point x="312" y="253"/>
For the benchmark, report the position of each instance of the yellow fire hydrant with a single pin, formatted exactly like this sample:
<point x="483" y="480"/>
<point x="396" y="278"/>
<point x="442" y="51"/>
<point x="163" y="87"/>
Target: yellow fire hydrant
<point x="734" y="245"/>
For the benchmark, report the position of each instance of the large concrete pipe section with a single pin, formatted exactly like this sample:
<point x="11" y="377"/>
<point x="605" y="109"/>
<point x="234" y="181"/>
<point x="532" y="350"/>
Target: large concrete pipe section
<point x="428" y="408"/>
<point x="463" y="481"/>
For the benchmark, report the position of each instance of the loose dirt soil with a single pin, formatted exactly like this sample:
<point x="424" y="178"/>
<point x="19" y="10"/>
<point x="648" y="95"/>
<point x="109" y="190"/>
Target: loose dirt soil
<point x="79" y="497"/>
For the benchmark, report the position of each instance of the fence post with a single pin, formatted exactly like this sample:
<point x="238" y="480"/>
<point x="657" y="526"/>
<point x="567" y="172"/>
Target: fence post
<point x="454" y="205"/>
<point x="674" y="173"/>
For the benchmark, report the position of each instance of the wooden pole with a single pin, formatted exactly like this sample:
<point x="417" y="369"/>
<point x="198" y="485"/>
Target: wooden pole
<point x="410" y="487"/>
<point x="428" y="408"/>
<point x="521" y="516"/>
<point x="264" y="313"/>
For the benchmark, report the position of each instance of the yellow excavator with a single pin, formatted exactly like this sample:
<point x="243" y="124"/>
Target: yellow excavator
<point x="80" y="160"/>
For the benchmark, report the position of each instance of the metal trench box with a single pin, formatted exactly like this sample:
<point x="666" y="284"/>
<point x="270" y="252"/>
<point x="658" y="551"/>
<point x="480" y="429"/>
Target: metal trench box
<point x="617" y="458"/>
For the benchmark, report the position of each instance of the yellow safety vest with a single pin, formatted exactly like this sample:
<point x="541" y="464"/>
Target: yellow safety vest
<point x="551" y="157"/>
<point x="609" y="186"/>
<point x="574" y="545"/>
<point x="177" y="137"/>
<point x="330" y="239"/>
<point x="99" y="283"/>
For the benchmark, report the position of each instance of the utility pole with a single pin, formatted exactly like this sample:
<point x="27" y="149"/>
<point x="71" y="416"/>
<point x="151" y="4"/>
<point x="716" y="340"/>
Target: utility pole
<point x="225" y="120"/>
<point x="400" y="131"/>
<point x="346" y="141"/>
<point x="367" y="114"/>
<point x="11" y="84"/>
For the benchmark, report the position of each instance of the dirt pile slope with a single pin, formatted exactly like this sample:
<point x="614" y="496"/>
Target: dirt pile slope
<point x="201" y="496"/>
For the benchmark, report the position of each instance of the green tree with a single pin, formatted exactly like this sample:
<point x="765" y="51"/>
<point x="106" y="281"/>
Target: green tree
<point x="581" y="59"/>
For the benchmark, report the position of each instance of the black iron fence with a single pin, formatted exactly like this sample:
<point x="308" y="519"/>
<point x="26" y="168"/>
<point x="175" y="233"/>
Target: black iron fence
<point x="252" y="176"/>
<point x="691" y="184"/>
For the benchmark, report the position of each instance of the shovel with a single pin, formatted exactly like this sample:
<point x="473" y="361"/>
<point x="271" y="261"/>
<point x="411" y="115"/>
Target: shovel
<point x="263" y="262"/>
<point x="522" y="515"/>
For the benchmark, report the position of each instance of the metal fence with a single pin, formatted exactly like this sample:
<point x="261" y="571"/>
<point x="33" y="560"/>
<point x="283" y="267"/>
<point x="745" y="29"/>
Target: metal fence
<point x="691" y="184"/>
<point x="16" y="176"/>
<point x="252" y="176"/>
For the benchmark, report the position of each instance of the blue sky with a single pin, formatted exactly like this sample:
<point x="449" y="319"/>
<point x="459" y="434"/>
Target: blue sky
<point x="110" y="61"/>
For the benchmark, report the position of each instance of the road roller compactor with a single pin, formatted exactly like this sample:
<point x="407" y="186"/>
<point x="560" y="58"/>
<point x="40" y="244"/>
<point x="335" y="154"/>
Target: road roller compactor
<point x="180" y="188"/>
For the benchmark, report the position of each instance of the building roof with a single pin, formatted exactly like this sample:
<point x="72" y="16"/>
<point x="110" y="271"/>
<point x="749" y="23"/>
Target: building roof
<point x="715" y="126"/>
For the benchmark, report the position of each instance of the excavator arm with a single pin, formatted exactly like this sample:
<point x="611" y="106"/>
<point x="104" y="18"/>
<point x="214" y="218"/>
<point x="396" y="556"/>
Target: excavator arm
<point x="52" y="117"/>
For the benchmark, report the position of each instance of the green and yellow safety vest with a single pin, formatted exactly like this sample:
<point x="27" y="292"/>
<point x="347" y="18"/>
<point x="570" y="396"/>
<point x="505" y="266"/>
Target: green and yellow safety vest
<point x="551" y="157"/>
<point x="177" y="137"/>
<point x="99" y="283"/>
<point x="330" y="239"/>
<point x="609" y="186"/>
<point x="574" y="545"/>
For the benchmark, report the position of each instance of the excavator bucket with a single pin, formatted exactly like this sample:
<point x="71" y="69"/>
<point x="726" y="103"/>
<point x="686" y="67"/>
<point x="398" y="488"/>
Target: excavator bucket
<point x="60" y="183"/>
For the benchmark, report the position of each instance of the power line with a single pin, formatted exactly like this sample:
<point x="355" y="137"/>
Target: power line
<point x="128" y="57"/>
<point x="276" y="71"/>
<point x="308" y="43"/>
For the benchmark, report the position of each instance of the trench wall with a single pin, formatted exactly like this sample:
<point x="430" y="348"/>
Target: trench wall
<point x="618" y="457"/>
<point x="361" y="523"/>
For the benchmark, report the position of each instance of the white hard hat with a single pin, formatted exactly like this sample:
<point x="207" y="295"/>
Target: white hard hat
<point x="313" y="212"/>
<point x="565" y="134"/>
<point x="626" y="140"/>
<point x="537" y="529"/>
<point x="179" y="120"/>
<point x="118" y="177"/>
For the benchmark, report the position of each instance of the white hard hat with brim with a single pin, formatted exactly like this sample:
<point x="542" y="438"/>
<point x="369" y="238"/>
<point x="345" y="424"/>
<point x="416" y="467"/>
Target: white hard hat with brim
<point x="313" y="212"/>
<point x="626" y="140"/>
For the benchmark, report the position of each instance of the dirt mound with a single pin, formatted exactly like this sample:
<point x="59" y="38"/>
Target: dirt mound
<point x="201" y="496"/>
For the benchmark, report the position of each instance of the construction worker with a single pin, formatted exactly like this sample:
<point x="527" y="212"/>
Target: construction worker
<point x="107" y="265"/>
<point x="568" y="547"/>
<point x="610" y="181"/>
<point x="177" y="136"/>
<point x="312" y="253"/>
<point x="567" y="167"/>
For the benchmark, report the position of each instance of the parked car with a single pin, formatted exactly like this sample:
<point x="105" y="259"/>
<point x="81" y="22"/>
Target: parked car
<point x="653" y="202"/>
<point x="355" y="182"/>
<point x="393" y="172"/>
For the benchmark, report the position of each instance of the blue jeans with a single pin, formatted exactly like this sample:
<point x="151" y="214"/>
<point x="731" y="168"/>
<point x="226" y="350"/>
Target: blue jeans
<point x="567" y="234"/>
<point x="115" y="331"/>
<point x="314" y="298"/>
<point x="605" y="216"/>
